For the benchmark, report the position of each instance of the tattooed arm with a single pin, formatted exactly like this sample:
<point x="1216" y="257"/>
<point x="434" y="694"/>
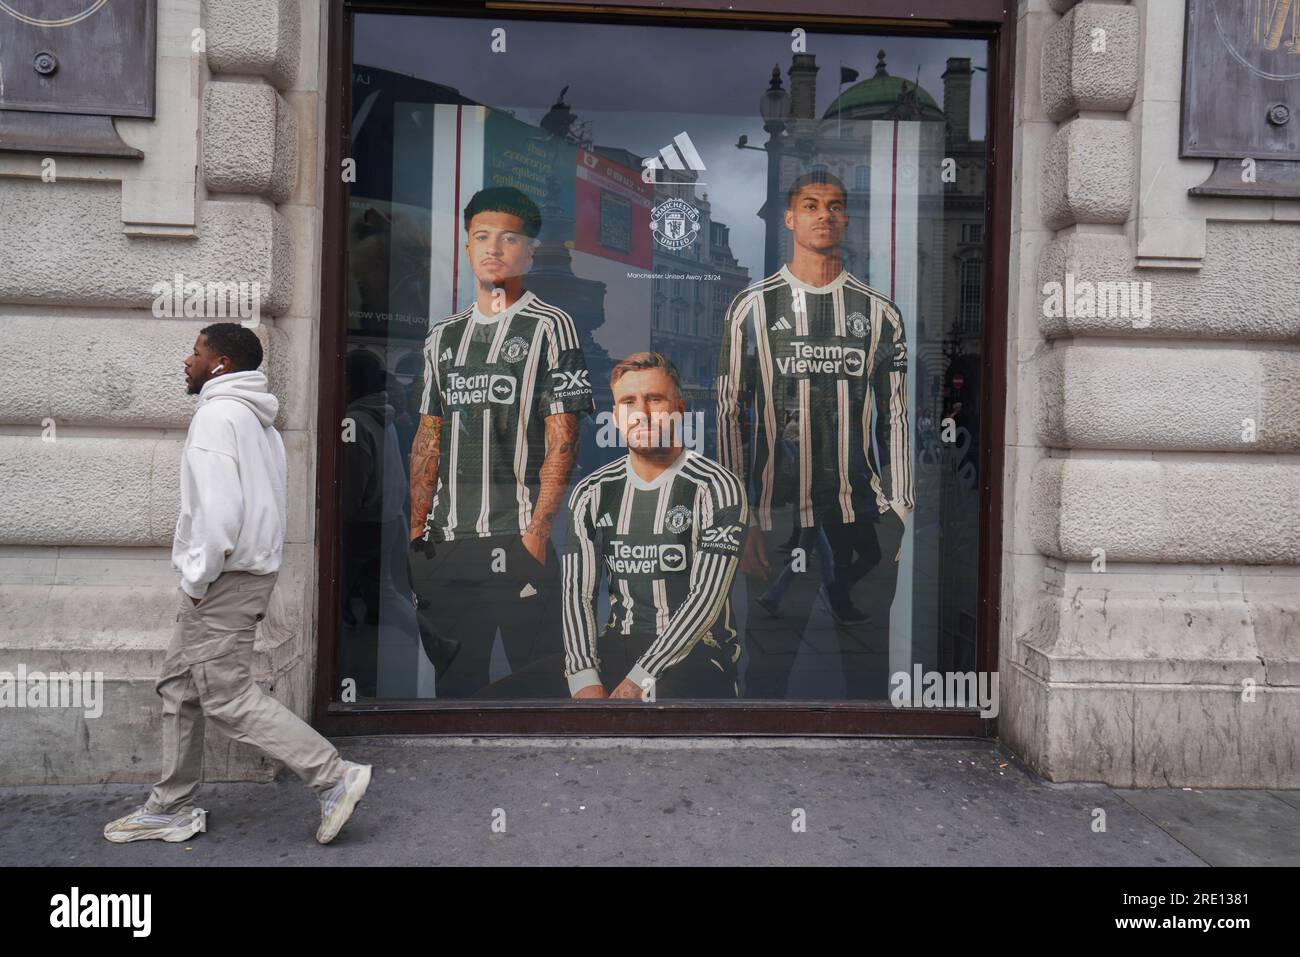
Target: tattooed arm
<point x="561" y="453"/>
<point x="424" y="471"/>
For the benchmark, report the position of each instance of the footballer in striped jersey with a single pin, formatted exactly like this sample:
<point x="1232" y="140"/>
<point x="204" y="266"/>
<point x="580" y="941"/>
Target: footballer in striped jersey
<point x="504" y="383"/>
<point x="817" y="349"/>
<point x="663" y="526"/>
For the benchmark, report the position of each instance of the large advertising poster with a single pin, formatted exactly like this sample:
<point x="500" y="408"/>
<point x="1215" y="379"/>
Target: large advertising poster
<point x="677" y="413"/>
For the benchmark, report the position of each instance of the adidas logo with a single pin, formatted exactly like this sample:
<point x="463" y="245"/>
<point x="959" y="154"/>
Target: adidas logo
<point x="680" y="154"/>
<point x="605" y="521"/>
<point x="446" y="354"/>
<point x="781" y="325"/>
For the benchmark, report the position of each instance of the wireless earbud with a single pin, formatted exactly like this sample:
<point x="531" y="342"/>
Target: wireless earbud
<point x="219" y="368"/>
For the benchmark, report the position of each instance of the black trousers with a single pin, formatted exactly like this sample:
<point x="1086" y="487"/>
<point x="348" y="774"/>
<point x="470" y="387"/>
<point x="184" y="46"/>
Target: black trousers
<point x="707" y="672"/>
<point x="865" y="571"/>
<point x="474" y="587"/>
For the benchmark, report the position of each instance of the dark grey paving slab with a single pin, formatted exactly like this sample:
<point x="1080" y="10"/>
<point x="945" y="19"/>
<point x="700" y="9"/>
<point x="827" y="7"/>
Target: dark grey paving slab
<point x="1290" y="797"/>
<point x="1227" y="828"/>
<point x="630" y="802"/>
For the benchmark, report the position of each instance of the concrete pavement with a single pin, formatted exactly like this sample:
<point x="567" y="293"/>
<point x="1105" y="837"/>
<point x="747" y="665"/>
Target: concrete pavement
<point x="663" y="801"/>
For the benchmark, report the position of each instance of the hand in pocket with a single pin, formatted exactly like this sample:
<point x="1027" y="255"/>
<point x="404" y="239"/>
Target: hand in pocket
<point x="534" y="546"/>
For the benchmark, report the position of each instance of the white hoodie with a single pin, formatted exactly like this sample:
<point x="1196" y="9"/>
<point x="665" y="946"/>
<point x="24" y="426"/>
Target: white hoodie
<point x="234" y="484"/>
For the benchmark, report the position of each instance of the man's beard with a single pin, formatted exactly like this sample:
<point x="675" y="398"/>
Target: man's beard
<point x="656" y="453"/>
<point x="659" y="435"/>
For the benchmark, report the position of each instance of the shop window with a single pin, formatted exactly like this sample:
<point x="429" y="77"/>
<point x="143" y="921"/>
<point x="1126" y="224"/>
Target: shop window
<point x="523" y="222"/>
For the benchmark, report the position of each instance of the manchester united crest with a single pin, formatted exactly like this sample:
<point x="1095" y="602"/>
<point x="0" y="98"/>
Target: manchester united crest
<point x="515" y="349"/>
<point x="678" y="519"/>
<point x="675" y="223"/>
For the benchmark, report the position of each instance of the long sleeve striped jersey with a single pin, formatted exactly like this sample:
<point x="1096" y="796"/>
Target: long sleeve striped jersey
<point x="493" y="380"/>
<point x="812" y="400"/>
<point x="669" y="549"/>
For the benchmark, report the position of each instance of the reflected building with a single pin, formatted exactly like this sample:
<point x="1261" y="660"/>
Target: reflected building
<point x="391" y="216"/>
<point x="950" y="214"/>
<point x="688" y="307"/>
<point x="692" y="288"/>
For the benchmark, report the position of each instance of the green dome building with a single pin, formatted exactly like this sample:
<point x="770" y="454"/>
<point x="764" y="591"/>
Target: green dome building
<point x="884" y="97"/>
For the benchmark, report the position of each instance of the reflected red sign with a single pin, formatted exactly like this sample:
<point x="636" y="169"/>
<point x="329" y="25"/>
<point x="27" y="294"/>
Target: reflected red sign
<point x="612" y="211"/>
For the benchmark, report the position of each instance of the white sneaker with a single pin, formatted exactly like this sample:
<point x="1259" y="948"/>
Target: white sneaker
<point x="337" y="804"/>
<point x="145" y="825"/>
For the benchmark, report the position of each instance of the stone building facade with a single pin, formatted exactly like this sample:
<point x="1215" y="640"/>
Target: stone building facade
<point x="92" y="396"/>
<point x="1150" y="497"/>
<point x="1130" y="436"/>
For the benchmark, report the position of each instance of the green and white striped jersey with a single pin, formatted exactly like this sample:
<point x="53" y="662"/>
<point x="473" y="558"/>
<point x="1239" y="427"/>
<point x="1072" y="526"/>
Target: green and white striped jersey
<point x="818" y="372"/>
<point x="493" y="380"/>
<point x="669" y="549"/>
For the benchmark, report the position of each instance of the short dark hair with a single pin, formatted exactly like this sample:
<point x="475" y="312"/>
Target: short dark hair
<point x="818" y="177"/>
<point x="640" y="361"/>
<point x="238" y="342"/>
<point x="506" y="199"/>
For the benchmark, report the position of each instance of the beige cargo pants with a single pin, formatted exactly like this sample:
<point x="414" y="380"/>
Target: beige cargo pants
<point x="207" y="675"/>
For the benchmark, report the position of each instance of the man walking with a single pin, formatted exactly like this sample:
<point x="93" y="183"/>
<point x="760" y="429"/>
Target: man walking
<point x="228" y="547"/>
